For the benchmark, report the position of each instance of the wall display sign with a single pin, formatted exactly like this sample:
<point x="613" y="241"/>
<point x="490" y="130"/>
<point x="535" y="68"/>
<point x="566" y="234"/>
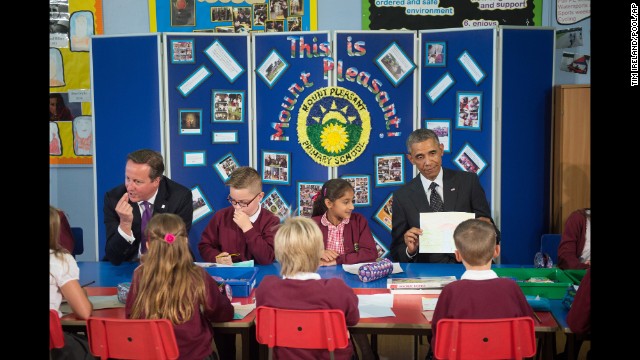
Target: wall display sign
<point x="441" y="14"/>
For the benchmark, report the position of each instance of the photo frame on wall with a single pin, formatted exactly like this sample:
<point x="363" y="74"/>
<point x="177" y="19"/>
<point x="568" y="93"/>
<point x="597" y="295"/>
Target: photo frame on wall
<point x="306" y="191"/>
<point x="194" y="158"/>
<point x="225" y="166"/>
<point x="395" y="63"/>
<point x="468" y="159"/>
<point x="435" y="54"/>
<point x="190" y="121"/>
<point x="227" y="106"/>
<point x="275" y="203"/>
<point x="183" y="13"/>
<point x="469" y="110"/>
<point x="383" y="215"/>
<point x="272" y="68"/>
<point x="276" y="167"/>
<point x="182" y="51"/>
<point x="442" y="128"/>
<point x="381" y="248"/>
<point x="389" y="169"/>
<point x="361" y="189"/>
<point x="201" y="207"/>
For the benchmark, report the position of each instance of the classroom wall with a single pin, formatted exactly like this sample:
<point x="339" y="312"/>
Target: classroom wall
<point x="72" y="188"/>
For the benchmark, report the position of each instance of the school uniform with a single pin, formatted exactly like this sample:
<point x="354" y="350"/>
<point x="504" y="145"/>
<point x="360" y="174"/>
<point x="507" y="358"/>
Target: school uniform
<point x="480" y="294"/>
<point x="194" y="336"/>
<point x="359" y="245"/>
<point x="223" y="234"/>
<point x="307" y="291"/>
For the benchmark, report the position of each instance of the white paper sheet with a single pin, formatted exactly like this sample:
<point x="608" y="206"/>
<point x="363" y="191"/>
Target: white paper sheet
<point x="437" y="230"/>
<point x="429" y="303"/>
<point x="376" y="305"/>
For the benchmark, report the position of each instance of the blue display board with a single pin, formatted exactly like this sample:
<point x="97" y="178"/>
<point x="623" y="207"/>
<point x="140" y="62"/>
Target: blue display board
<point x="288" y="68"/>
<point x="380" y="67"/>
<point x="123" y="68"/>
<point x="208" y="91"/>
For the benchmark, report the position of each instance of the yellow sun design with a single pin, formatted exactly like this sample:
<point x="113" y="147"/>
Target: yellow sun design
<point x="334" y="138"/>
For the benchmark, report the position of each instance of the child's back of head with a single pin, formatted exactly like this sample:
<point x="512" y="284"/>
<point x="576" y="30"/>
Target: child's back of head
<point x="169" y="282"/>
<point x="245" y="177"/>
<point x="475" y="241"/>
<point x="298" y="246"/>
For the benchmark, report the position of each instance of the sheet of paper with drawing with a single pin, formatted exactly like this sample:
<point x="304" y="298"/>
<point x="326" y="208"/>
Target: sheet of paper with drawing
<point x="437" y="230"/>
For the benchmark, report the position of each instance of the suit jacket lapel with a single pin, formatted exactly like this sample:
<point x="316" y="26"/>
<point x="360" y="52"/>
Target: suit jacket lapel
<point x="161" y="199"/>
<point x="450" y="195"/>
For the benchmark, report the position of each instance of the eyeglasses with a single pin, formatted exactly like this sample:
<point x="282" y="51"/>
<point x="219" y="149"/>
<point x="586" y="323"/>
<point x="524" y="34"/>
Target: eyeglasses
<point x="241" y="204"/>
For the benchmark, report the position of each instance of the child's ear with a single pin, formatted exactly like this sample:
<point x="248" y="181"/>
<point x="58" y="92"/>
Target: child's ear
<point x="496" y="251"/>
<point x="458" y="257"/>
<point x="327" y="203"/>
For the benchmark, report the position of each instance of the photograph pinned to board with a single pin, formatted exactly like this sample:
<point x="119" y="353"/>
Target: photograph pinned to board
<point x="470" y="65"/>
<point x="395" y="63"/>
<point x="296" y="7"/>
<point x="440" y="87"/>
<point x="225" y="166"/>
<point x="278" y="9"/>
<point x="275" y="203"/>
<point x="56" y="68"/>
<point x="468" y="110"/>
<point x="201" y="207"/>
<point x="259" y="14"/>
<point x="204" y="30"/>
<point x="361" y="189"/>
<point x="194" y="158"/>
<point x="194" y="80"/>
<point x="436" y="54"/>
<point x="272" y="68"/>
<point x="442" y="128"/>
<point x="82" y="135"/>
<point x="381" y="248"/>
<point x="294" y="23"/>
<point x="224" y="61"/>
<point x="468" y="159"/>
<point x="227" y="106"/>
<point x="242" y="19"/>
<point x="276" y="167"/>
<point x="307" y="190"/>
<point x="274" y="26"/>
<point x="383" y="215"/>
<point x="183" y="13"/>
<point x="224" y="29"/>
<point x="221" y="13"/>
<point x="190" y="123"/>
<point x="575" y="63"/>
<point x="569" y="38"/>
<point x="389" y="169"/>
<point x="182" y="51"/>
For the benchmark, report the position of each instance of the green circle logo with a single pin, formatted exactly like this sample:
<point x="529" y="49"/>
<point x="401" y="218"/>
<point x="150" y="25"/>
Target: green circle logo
<point x="333" y="126"/>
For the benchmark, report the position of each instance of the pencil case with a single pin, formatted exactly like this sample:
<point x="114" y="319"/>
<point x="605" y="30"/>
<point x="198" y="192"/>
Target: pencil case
<point x="123" y="291"/>
<point x="376" y="270"/>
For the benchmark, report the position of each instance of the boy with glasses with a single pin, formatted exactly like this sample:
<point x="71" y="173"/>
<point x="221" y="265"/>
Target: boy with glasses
<point x="242" y="231"/>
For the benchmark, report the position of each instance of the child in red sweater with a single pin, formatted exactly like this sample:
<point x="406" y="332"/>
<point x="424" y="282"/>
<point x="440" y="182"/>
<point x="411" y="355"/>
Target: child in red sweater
<point x="480" y="293"/>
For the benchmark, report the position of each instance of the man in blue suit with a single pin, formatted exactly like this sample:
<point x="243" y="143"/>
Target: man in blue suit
<point x="123" y="205"/>
<point x="457" y="190"/>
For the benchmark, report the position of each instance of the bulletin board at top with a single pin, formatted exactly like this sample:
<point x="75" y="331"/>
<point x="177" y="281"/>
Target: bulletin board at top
<point x="232" y="16"/>
<point x="442" y="14"/>
<point x="71" y="23"/>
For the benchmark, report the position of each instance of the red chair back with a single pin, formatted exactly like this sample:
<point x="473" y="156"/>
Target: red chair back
<point x="132" y="338"/>
<point x="511" y="338"/>
<point x="301" y="329"/>
<point x="56" y="337"/>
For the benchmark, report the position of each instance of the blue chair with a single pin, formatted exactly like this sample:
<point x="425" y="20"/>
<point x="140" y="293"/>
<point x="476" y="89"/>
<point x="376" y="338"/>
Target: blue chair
<point x="78" y="244"/>
<point x="549" y="244"/>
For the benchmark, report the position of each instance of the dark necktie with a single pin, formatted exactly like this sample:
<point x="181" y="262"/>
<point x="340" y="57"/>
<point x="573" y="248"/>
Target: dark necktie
<point x="146" y="216"/>
<point x="435" y="200"/>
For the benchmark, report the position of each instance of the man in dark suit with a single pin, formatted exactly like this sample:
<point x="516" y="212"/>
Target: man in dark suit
<point x="123" y="205"/>
<point x="458" y="190"/>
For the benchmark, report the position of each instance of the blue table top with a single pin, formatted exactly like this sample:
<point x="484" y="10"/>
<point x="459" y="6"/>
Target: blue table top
<point x="106" y="274"/>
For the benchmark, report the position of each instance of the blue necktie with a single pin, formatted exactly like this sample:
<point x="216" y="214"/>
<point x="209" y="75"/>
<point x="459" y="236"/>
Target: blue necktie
<point x="146" y="216"/>
<point x="435" y="201"/>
